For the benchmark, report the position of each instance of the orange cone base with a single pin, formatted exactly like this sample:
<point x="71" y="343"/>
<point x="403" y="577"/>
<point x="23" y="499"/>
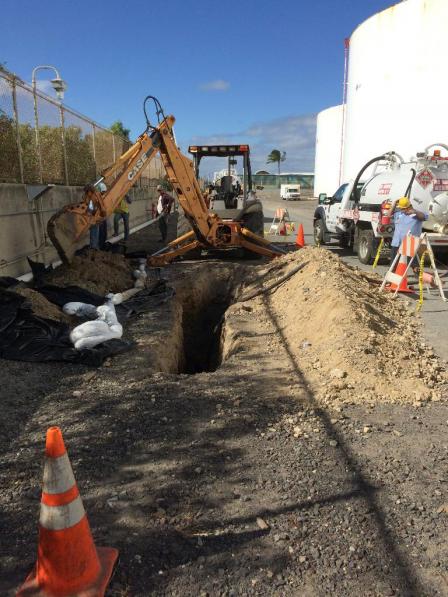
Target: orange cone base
<point x="108" y="557"/>
<point x="403" y="287"/>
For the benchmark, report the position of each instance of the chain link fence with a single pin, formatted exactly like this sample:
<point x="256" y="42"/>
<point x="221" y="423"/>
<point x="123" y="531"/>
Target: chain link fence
<point x="42" y="141"/>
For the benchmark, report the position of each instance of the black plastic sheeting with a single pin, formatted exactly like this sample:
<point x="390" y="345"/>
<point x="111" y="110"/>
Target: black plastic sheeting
<point x="155" y="294"/>
<point x="26" y="337"/>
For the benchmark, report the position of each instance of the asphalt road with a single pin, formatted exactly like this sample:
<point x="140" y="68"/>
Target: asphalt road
<point x="434" y="311"/>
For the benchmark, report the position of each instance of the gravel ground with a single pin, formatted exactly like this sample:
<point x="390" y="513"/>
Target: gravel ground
<point x="232" y="482"/>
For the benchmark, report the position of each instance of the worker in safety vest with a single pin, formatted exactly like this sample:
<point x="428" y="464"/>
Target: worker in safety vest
<point x="122" y="213"/>
<point x="407" y="220"/>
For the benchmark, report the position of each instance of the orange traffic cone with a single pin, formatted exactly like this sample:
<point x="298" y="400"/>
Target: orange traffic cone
<point x="68" y="563"/>
<point x="300" y="239"/>
<point x="400" y="270"/>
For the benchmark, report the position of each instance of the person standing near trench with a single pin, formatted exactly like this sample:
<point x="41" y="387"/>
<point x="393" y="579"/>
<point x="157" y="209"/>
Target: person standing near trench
<point x="122" y="212"/>
<point x="164" y="205"/>
<point x="407" y="220"/>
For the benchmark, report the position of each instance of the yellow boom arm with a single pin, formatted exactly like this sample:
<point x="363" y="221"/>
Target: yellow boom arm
<point x="68" y="227"/>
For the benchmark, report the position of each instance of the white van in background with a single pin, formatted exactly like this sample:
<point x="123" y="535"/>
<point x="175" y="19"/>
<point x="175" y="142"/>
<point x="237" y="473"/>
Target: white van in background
<point x="290" y="192"/>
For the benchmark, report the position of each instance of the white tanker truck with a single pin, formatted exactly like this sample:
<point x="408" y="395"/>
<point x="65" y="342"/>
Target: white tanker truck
<point x="357" y="214"/>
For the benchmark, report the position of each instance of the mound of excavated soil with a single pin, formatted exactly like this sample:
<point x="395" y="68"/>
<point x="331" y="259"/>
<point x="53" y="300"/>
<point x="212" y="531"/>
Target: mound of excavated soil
<point x="97" y="271"/>
<point x="41" y="306"/>
<point x="353" y="342"/>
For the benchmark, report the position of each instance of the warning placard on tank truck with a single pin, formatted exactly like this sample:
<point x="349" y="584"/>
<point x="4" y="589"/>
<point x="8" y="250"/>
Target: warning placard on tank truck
<point x="424" y="178"/>
<point x="440" y="184"/>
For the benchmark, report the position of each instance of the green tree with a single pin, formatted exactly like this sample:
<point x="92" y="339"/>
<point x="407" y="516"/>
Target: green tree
<point x="118" y="129"/>
<point x="276" y="156"/>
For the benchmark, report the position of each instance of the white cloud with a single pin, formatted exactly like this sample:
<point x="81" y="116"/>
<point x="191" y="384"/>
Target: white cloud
<point x="294" y="134"/>
<point x="216" y="85"/>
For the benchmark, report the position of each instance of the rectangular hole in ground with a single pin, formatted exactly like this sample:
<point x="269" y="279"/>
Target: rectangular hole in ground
<point x="202" y="319"/>
<point x="202" y="327"/>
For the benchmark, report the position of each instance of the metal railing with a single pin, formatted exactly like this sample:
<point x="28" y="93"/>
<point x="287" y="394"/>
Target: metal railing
<point x="44" y="142"/>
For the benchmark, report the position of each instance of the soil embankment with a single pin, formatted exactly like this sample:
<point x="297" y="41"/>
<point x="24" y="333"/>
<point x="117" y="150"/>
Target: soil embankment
<point x="293" y="446"/>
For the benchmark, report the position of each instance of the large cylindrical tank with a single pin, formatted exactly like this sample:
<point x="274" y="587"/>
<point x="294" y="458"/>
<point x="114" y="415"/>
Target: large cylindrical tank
<point x="328" y="150"/>
<point x="397" y="83"/>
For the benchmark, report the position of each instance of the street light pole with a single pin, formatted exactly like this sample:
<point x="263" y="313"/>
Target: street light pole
<point x="59" y="86"/>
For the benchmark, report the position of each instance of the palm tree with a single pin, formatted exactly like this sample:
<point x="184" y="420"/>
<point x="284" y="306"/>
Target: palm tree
<point x="276" y="156"/>
<point x="118" y="129"/>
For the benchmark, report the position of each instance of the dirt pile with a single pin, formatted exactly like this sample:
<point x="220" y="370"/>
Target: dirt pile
<point x="41" y="306"/>
<point x="353" y="343"/>
<point x="96" y="271"/>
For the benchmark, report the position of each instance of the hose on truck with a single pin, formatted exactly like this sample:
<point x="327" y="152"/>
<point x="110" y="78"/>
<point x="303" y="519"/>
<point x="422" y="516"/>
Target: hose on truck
<point x="355" y="194"/>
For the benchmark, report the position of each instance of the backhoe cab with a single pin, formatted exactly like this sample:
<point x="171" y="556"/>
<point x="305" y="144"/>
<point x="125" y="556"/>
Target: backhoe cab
<point x="231" y="189"/>
<point x="232" y="198"/>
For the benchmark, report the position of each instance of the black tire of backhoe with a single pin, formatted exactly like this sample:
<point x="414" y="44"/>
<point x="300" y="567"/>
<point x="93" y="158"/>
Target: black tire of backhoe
<point x="184" y="226"/>
<point x="253" y="221"/>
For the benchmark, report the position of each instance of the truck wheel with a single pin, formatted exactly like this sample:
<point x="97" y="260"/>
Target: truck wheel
<point x="366" y="247"/>
<point x="183" y="226"/>
<point x="319" y="235"/>
<point x="253" y="221"/>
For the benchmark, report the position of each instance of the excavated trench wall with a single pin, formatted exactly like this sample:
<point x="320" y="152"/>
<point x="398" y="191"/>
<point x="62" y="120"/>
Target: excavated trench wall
<point x="185" y="335"/>
<point x="204" y="302"/>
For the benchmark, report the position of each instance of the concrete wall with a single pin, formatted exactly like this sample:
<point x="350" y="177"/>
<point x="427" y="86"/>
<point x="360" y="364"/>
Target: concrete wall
<point x="23" y="222"/>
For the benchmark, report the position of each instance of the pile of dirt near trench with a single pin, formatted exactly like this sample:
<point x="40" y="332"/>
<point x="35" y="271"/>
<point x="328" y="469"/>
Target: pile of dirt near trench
<point x="40" y="306"/>
<point x="354" y="343"/>
<point x="96" y="271"/>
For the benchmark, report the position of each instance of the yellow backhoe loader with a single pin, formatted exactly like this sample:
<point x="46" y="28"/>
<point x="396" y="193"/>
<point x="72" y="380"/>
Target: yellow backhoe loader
<point x="67" y="228"/>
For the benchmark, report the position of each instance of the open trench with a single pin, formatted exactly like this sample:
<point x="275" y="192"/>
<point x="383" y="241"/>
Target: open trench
<point x="203" y="305"/>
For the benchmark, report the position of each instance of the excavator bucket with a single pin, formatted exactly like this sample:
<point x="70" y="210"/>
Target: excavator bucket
<point x="67" y="230"/>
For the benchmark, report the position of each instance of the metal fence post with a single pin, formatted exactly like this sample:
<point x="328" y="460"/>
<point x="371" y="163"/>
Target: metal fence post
<point x="36" y="124"/>
<point x="94" y="149"/>
<point x="64" y="150"/>
<point x="16" y="119"/>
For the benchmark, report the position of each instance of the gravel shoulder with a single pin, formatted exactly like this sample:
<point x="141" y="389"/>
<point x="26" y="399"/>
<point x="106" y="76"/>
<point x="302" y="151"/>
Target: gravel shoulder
<point x="246" y="480"/>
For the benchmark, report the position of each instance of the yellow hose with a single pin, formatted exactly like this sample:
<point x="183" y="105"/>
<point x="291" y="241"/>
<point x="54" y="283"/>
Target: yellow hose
<point x="378" y="253"/>
<point x="420" y="280"/>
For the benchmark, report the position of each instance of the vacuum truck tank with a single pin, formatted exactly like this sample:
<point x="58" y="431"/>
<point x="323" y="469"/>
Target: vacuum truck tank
<point x="424" y="180"/>
<point x="357" y="214"/>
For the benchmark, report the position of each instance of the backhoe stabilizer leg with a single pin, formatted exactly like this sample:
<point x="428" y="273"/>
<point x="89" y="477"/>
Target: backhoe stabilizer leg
<point x="168" y="253"/>
<point x="260" y="249"/>
<point x="262" y="241"/>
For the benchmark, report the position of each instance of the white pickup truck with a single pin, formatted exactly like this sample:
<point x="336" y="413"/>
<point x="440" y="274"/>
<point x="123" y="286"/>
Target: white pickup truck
<point x="360" y="218"/>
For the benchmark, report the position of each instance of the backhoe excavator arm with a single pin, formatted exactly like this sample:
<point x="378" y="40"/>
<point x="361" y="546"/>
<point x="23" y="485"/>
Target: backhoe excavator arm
<point x="68" y="226"/>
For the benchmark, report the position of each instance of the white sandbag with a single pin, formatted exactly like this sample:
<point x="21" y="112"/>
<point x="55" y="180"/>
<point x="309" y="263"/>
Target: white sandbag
<point x="80" y="309"/>
<point x="92" y="333"/>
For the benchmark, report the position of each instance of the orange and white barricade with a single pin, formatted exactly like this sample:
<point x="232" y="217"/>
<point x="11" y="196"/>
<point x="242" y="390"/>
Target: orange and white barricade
<point x="281" y="218"/>
<point x="396" y="281"/>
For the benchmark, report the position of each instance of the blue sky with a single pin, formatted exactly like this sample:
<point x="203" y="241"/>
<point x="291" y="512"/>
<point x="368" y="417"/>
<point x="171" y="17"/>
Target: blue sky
<point x="254" y="71"/>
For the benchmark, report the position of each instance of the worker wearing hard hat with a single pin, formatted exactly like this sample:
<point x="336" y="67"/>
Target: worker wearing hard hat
<point x="407" y="220"/>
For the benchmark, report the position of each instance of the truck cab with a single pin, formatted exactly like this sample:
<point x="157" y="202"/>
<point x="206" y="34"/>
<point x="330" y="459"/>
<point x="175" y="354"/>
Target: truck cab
<point x="339" y="218"/>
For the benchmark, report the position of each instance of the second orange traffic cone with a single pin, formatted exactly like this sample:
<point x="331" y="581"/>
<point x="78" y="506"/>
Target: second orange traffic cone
<point x="68" y="563"/>
<point x="400" y="270"/>
<point x="300" y="238"/>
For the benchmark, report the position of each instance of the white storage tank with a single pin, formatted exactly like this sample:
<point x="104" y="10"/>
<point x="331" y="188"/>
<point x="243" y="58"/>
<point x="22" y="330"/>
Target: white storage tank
<point x="328" y="150"/>
<point x="397" y="83"/>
